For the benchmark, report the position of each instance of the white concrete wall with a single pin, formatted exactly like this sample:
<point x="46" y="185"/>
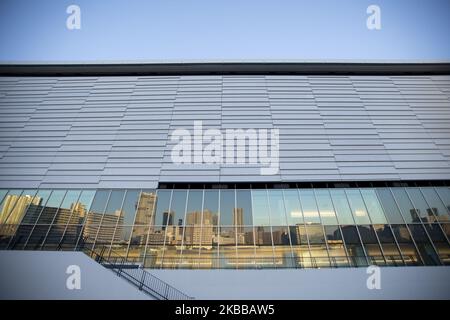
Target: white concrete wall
<point x="345" y="283"/>
<point x="42" y="275"/>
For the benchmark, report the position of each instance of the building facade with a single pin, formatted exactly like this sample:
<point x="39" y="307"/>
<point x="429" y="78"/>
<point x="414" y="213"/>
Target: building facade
<point x="363" y="178"/>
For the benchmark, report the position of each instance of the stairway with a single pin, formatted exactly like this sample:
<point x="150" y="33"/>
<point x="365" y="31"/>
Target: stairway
<point x="133" y="273"/>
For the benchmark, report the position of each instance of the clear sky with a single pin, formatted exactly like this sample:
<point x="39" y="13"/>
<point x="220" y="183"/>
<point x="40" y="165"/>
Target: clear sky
<point x="227" y="29"/>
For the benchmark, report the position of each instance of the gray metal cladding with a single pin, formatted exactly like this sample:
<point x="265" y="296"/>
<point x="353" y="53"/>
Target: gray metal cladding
<point x="114" y="132"/>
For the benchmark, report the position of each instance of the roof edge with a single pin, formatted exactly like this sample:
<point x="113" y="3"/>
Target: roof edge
<point x="224" y="68"/>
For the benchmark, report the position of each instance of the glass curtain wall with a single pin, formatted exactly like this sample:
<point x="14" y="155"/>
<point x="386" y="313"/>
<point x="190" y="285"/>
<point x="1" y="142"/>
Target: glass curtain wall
<point x="237" y="228"/>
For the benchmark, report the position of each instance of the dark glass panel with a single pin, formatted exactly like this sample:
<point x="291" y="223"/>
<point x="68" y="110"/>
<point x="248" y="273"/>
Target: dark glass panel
<point x="371" y="245"/>
<point x="387" y="241"/>
<point x="336" y="248"/>
<point x="423" y="243"/>
<point x="292" y="204"/>
<point x="354" y="248"/>
<point x="435" y="205"/>
<point x="20" y="238"/>
<point x="341" y="206"/>
<point x="391" y="210"/>
<point x="440" y="242"/>
<point x="326" y="209"/>
<point x="7" y="231"/>
<point x="309" y="207"/>
<point x="317" y="244"/>
<point x="36" y="239"/>
<point x="409" y="252"/>
<point x="71" y="236"/>
<point x="300" y="246"/>
<point x="227" y="207"/>
<point x="260" y="208"/>
<point x="407" y="209"/>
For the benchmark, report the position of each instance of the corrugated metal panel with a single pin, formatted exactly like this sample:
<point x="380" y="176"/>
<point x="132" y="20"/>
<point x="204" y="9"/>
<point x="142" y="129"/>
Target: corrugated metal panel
<point x="115" y="131"/>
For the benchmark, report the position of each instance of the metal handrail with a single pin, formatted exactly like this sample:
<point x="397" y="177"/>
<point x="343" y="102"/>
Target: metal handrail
<point x="143" y="280"/>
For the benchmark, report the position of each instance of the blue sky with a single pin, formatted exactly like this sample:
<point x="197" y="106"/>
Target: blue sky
<point x="228" y="29"/>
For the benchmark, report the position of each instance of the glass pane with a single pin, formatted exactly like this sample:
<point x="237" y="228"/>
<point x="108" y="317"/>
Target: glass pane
<point x="130" y="205"/>
<point x="21" y="206"/>
<point x="260" y="208"/>
<point x="81" y="208"/>
<point x="390" y="207"/>
<point x="277" y="214"/>
<point x="49" y="211"/>
<point x="354" y="248"/>
<point x="113" y="214"/>
<point x="309" y="207"/>
<point x="357" y="205"/>
<point x="3" y="193"/>
<point x="336" y="249"/>
<point x="300" y="246"/>
<point x="36" y="206"/>
<point x="437" y="207"/>
<point x="68" y="204"/>
<point x="36" y="239"/>
<point x="371" y="245"/>
<point x="292" y="204"/>
<point x="407" y="209"/>
<point x="163" y="204"/>
<point x="422" y="208"/>
<point x="227" y="207"/>
<point x="9" y="204"/>
<point x="373" y="206"/>
<point x="440" y="242"/>
<point x="145" y="207"/>
<point x="317" y="245"/>
<point x="244" y="207"/>
<point x="423" y="243"/>
<point x="70" y="236"/>
<point x="387" y="241"/>
<point x="194" y="210"/>
<point x="444" y="194"/>
<point x="326" y="209"/>
<point x="410" y="254"/>
<point x="341" y="206"/>
<point x="211" y="207"/>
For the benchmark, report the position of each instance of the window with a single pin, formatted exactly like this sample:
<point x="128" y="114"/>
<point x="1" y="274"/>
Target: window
<point x="373" y="206"/>
<point x="391" y="210"/>
<point x="326" y="208"/>
<point x="357" y="205"/>
<point x="260" y="208"/>
<point x="342" y="207"/>
<point x="309" y="207"/>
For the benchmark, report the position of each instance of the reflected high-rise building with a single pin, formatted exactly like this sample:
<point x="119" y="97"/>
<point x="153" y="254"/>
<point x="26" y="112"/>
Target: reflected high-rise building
<point x="168" y="218"/>
<point x="145" y="213"/>
<point x="14" y="207"/>
<point x="238" y="220"/>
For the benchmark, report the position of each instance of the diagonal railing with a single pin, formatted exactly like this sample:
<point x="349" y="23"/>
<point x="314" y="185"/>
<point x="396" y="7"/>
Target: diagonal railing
<point x="133" y="273"/>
